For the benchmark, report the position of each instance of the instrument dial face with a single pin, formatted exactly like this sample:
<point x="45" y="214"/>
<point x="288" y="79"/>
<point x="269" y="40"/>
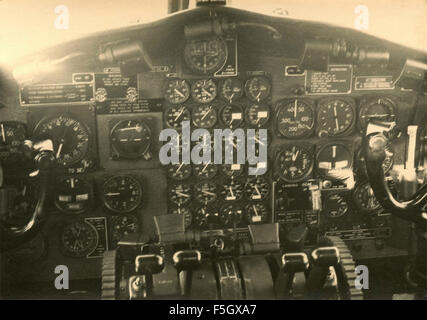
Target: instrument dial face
<point x="232" y="170"/>
<point x="205" y="171"/>
<point x="334" y="161"/>
<point x="231" y="89"/>
<point x="179" y="171"/>
<point x="79" y="238"/>
<point x="257" y="88"/>
<point x="365" y="199"/>
<point x="294" y="163"/>
<point x="177" y="91"/>
<point x="257" y="189"/>
<point x="232" y="115"/>
<point x="122" y="226"/>
<point x="205" y="116"/>
<point x="180" y="194"/>
<point x="335" y="117"/>
<point x="130" y="138"/>
<point x="230" y="215"/>
<point x="205" y="56"/>
<point x="12" y="133"/>
<point x="205" y="216"/>
<point x="335" y="205"/>
<point x="256" y="213"/>
<point x="204" y="90"/>
<point x="122" y="194"/>
<point x="73" y="195"/>
<point x="175" y="115"/>
<point x="205" y="192"/>
<point x="232" y="190"/>
<point x="188" y="217"/>
<point x="257" y="115"/>
<point x="70" y="138"/>
<point x="381" y="109"/>
<point x="295" y="119"/>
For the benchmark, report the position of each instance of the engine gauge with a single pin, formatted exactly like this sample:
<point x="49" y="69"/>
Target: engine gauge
<point x="175" y="115"/>
<point x="122" y="193"/>
<point x="232" y="115"/>
<point x="230" y="215"/>
<point x="12" y="133"/>
<point x="232" y="170"/>
<point x="130" y="139"/>
<point x="180" y="194"/>
<point x="376" y="108"/>
<point x="204" y="116"/>
<point x="70" y="138"/>
<point x="73" y="195"/>
<point x="177" y="91"/>
<point x="232" y="190"/>
<point x="205" y="217"/>
<point x="364" y="198"/>
<point x="179" y="171"/>
<point x="205" y="56"/>
<point x="257" y="189"/>
<point x="257" y="115"/>
<point x="335" y="205"/>
<point x="205" y="192"/>
<point x="334" y="161"/>
<point x="335" y="117"/>
<point x="122" y="226"/>
<point x="78" y="238"/>
<point x="204" y="90"/>
<point x="294" y="163"/>
<point x="205" y="171"/>
<point x="256" y="213"/>
<point x="295" y="119"/>
<point x="231" y="89"/>
<point x="258" y="88"/>
<point x="188" y="217"/>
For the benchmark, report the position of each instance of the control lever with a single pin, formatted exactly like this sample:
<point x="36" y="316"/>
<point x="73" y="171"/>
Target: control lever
<point x="292" y="263"/>
<point x="185" y="261"/>
<point x="295" y="238"/>
<point x="141" y="285"/>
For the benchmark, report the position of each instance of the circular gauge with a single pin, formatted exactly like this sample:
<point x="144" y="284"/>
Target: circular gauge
<point x="232" y="115"/>
<point x="295" y="119"/>
<point x="257" y="88"/>
<point x="204" y="116"/>
<point x="364" y="198"/>
<point x="130" y="138"/>
<point x="122" y="194"/>
<point x="232" y="190"/>
<point x="335" y="205"/>
<point x="122" y="226"/>
<point x="256" y="213"/>
<point x="180" y="194"/>
<point x="206" y="216"/>
<point x="232" y="170"/>
<point x="179" y="171"/>
<point x="70" y="138"/>
<point x="257" y="115"/>
<point x="377" y="108"/>
<point x="204" y="90"/>
<point x="205" y="192"/>
<point x="205" y="56"/>
<point x="334" y="161"/>
<point x="79" y="238"/>
<point x="205" y="171"/>
<point x="177" y="91"/>
<point x="261" y="142"/>
<point x="257" y="189"/>
<point x="294" y="163"/>
<point x="73" y="195"/>
<point x="12" y="133"/>
<point x="188" y="217"/>
<point x="230" y="215"/>
<point x="175" y="115"/>
<point x="335" y="117"/>
<point x="231" y="89"/>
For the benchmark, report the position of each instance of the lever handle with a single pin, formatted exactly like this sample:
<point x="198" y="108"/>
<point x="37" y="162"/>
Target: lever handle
<point x="149" y="264"/>
<point x="187" y="260"/>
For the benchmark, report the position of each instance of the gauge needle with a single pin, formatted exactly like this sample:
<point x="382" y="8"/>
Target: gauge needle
<point x="258" y="95"/>
<point x="255" y="210"/>
<point x="178" y="92"/>
<point x="231" y="97"/>
<point x="208" y="193"/>
<point x="336" y="124"/>
<point x="182" y="194"/>
<point x="179" y="114"/>
<point x="207" y="92"/>
<point x="207" y="112"/>
<point x="179" y="168"/>
<point x="204" y="168"/>
<point x="295" y="156"/>
<point x="110" y="194"/>
<point x="137" y="128"/>
<point x="2" y="133"/>
<point x="259" y="141"/>
<point x="257" y="190"/>
<point x="231" y="191"/>
<point x="296" y="109"/>
<point x="59" y="150"/>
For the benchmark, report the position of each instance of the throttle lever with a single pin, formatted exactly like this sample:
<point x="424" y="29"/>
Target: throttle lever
<point x="141" y="285"/>
<point x="292" y="263"/>
<point x="185" y="261"/>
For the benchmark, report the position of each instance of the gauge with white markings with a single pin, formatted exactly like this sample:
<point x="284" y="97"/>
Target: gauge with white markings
<point x="205" y="56"/>
<point x="257" y="115"/>
<point x="177" y="91"/>
<point x="204" y="116"/>
<point x="205" y="192"/>
<point x="204" y="90"/>
<point x="231" y="89"/>
<point x="364" y="198"/>
<point x="122" y="226"/>
<point x="73" y="195"/>
<point x="232" y="190"/>
<point x="258" y="88"/>
<point x="232" y="170"/>
<point x="335" y="205"/>
<point x="180" y="194"/>
<point x="78" y="238"/>
<point x="334" y="161"/>
<point x="122" y="193"/>
<point x="12" y="133"/>
<point x="130" y="138"/>
<point x="205" y="170"/>
<point x="257" y="189"/>
<point x="179" y="171"/>
<point x="295" y="119"/>
<point x="175" y="115"/>
<point x="232" y="115"/>
<point x="294" y="163"/>
<point x="378" y="109"/>
<point x="256" y="213"/>
<point x="335" y="117"/>
<point x="230" y="215"/>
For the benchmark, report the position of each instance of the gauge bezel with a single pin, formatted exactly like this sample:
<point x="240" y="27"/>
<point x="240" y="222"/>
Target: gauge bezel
<point x="166" y="87"/>
<point x="188" y="200"/>
<point x="198" y="187"/>
<point x="368" y="101"/>
<point x="117" y="152"/>
<point x="194" y="95"/>
<point x="343" y="196"/>
<point x="114" y="221"/>
<point x="248" y="210"/>
<point x="254" y="181"/>
<point x="239" y="122"/>
<point x="221" y="87"/>
<point x="322" y="103"/>
<point x="185" y="177"/>
<point x="224" y="191"/>
<point x="138" y="201"/>
<point x="235" y="207"/>
<point x="309" y="148"/>
<point x="197" y="107"/>
<point x="258" y="104"/>
<point x="330" y="144"/>
<point x="281" y="104"/>
<point x="89" y="202"/>
<point x="88" y="250"/>
<point x="360" y="187"/>
<point x="186" y="110"/>
<point x="210" y="165"/>
<point x="250" y="96"/>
